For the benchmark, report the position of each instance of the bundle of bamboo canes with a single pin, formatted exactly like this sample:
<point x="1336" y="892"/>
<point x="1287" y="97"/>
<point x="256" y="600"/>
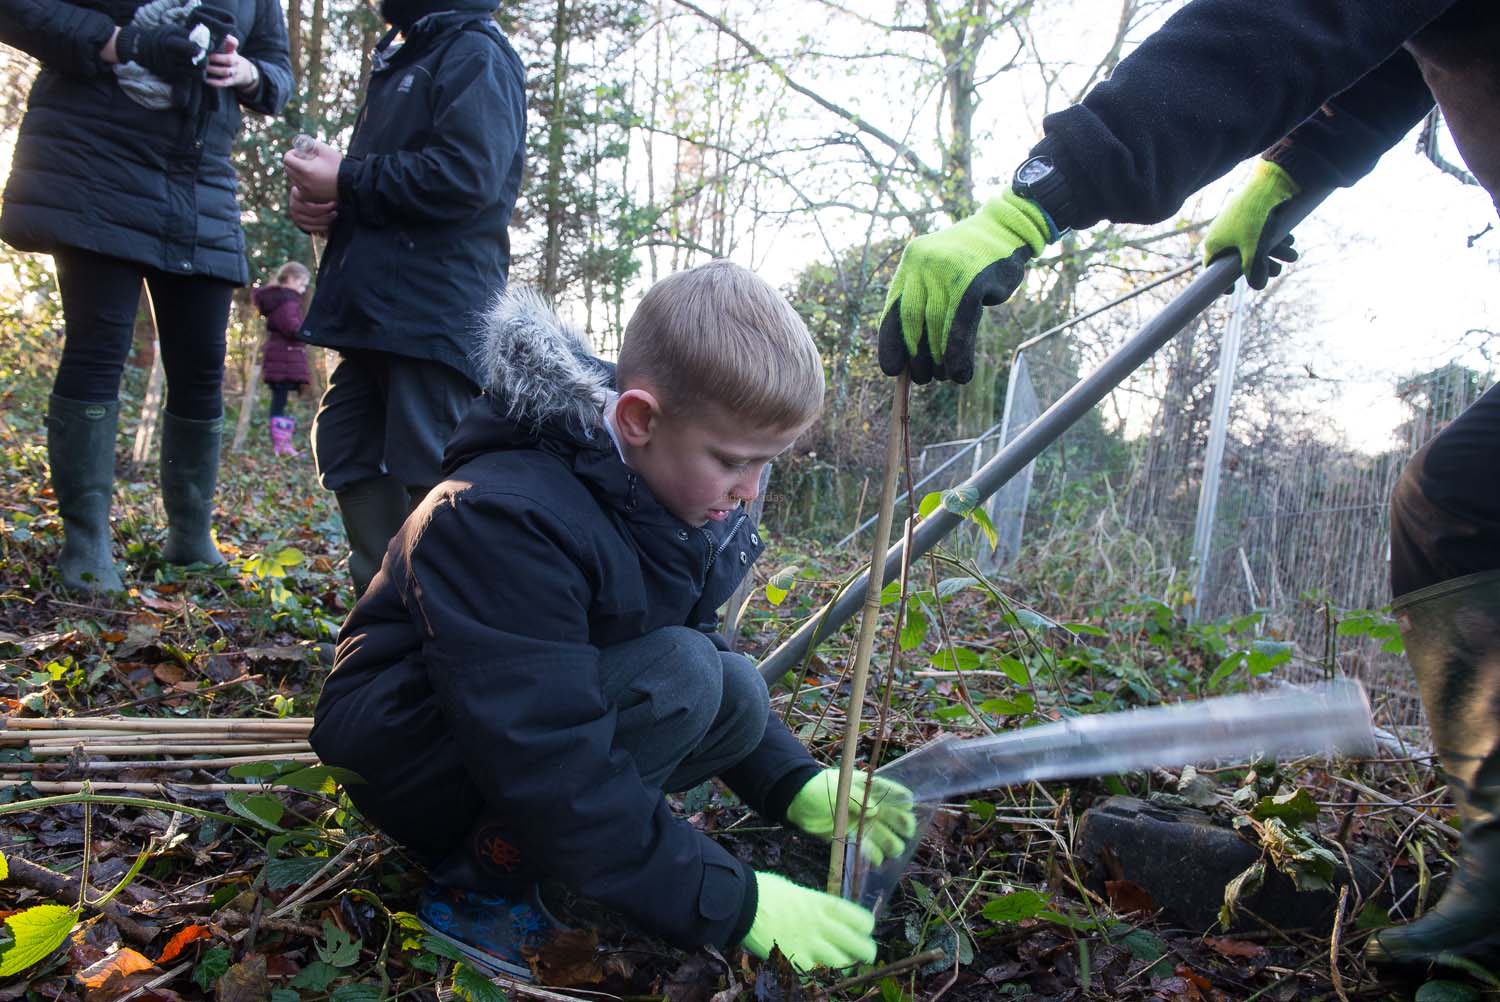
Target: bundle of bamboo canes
<point x="66" y="751"/>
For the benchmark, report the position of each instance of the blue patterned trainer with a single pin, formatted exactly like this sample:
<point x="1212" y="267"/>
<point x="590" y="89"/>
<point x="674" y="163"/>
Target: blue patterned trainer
<point x="492" y="932"/>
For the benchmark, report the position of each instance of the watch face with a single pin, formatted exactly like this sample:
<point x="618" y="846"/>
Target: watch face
<point x="1033" y="170"/>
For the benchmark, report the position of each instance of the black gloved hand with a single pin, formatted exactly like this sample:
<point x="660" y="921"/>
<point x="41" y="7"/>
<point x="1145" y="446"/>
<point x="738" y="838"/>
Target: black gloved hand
<point x="166" y="50"/>
<point x="220" y="24"/>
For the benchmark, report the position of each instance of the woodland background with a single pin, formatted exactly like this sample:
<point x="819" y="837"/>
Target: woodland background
<point x="808" y="139"/>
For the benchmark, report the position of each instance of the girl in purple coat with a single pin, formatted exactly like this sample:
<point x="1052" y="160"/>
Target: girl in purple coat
<point x="283" y="357"/>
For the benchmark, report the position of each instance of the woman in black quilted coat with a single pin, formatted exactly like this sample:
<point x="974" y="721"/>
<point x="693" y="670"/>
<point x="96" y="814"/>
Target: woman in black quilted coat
<point x="121" y="172"/>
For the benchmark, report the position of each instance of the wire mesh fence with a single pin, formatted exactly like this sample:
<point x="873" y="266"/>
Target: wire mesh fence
<point x="1300" y="530"/>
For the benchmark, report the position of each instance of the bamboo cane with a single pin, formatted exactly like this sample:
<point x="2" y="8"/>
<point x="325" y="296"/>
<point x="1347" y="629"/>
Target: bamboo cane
<point x="860" y="674"/>
<point x="27" y="737"/>
<point x="155" y="723"/>
<point x="156" y="789"/>
<point x="161" y="739"/>
<point x="170" y="749"/>
<point x="186" y="763"/>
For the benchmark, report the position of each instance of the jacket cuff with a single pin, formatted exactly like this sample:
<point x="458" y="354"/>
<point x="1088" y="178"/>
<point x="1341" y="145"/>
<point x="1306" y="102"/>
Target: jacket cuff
<point x="94" y="38"/>
<point x="1082" y="211"/>
<point x="785" y="791"/>
<point x="348" y="178"/>
<point x="746" y="919"/>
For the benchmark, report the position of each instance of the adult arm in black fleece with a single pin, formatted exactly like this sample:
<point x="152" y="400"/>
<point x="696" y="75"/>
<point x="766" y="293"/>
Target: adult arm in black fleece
<point x="64" y="36"/>
<point x="266" y="44"/>
<point x="519" y="687"/>
<point x="478" y="123"/>
<point x="1220" y="81"/>
<point x="1344" y="139"/>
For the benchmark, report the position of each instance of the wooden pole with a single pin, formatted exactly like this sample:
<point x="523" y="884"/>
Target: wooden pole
<point x="156" y="789"/>
<point x="293" y="747"/>
<point x="860" y="674"/>
<point x="226" y="724"/>
<point x="247" y="406"/>
<point x="184" y="763"/>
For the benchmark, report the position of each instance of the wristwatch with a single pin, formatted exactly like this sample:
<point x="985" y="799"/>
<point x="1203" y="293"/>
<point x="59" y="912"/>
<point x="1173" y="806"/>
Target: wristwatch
<point x="1039" y="180"/>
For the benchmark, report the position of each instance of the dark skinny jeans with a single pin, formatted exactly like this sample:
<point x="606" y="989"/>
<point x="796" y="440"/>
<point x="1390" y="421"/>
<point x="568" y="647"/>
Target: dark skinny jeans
<point x="100" y="296"/>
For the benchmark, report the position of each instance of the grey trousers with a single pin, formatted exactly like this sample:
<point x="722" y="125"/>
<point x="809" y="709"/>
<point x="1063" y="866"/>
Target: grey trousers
<point x="685" y="711"/>
<point x="385" y="414"/>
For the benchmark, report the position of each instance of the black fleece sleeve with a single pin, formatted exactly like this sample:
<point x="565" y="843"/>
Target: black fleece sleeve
<point x="519" y="688"/>
<point x="267" y="47"/>
<point x="64" y="36"/>
<point x="1220" y="81"/>
<point x="1344" y="139"/>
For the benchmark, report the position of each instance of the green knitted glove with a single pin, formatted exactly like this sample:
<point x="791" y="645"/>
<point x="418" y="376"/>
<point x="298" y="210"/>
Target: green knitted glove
<point x="1241" y="226"/>
<point x="813" y="929"/>
<point x="888" y="820"/>
<point x="943" y="280"/>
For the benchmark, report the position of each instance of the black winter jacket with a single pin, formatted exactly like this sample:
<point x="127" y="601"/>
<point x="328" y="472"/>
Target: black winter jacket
<point x="1222" y="80"/>
<point x="467" y="675"/>
<point x="96" y="171"/>
<point x="425" y="193"/>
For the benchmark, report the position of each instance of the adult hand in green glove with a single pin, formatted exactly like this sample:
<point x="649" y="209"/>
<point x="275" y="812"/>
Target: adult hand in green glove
<point x="812" y="928"/>
<point x="1242" y="226"/>
<point x="932" y="308"/>
<point x="888" y="817"/>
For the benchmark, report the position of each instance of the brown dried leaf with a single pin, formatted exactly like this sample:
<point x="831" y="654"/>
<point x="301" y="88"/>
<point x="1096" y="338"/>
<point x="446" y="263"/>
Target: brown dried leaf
<point x="1228" y="947"/>
<point x="121" y="963"/>
<point x="1126" y="896"/>
<point x="169" y="674"/>
<point x="696" y="979"/>
<point x="245" y="981"/>
<point x="777" y="980"/>
<point x="1184" y="971"/>
<point x="180" y="940"/>
<point x="571" y="958"/>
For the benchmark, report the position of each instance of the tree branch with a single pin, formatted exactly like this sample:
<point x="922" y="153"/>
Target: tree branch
<point x="905" y="151"/>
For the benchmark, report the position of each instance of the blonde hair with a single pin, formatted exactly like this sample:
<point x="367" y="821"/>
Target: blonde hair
<point x="720" y="334"/>
<point x="292" y="271"/>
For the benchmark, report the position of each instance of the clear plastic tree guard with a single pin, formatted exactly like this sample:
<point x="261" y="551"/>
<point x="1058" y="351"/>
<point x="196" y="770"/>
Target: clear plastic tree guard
<point x="1328" y="718"/>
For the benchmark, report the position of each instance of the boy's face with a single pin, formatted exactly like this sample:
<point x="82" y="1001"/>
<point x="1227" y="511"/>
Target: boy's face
<point x="700" y="466"/>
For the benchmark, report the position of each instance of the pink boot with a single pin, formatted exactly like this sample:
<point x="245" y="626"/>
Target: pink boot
<point x="281" y="436"/>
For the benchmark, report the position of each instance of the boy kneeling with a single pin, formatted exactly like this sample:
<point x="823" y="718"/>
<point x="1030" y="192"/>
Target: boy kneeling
<point x="536" y="662"/>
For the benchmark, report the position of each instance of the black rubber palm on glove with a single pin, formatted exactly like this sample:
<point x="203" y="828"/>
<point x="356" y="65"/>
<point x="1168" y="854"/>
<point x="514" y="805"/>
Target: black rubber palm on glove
<point x="933" y="307"/>
<point x="1241" y="227"/>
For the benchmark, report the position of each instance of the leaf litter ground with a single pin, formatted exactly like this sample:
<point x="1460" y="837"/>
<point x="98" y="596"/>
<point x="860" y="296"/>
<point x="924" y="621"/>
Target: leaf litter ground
<point x="285" y="895"/>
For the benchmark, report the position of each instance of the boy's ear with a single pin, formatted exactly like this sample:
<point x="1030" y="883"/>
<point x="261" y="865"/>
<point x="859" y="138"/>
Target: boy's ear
<point x="636" y="413"/>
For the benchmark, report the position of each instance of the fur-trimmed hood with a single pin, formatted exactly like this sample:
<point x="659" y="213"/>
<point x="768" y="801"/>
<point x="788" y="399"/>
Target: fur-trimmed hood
<point x="540" y="378"/>
<point x="536" y="369"/>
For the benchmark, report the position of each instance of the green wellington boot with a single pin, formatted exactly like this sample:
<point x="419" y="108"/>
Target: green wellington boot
<point x="81" y="453"/>
<point x="189" y="473"/>
<point x="373" y="511"/>
<point x="1452" y="635"/>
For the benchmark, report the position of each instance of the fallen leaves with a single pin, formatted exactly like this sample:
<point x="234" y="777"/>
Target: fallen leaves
<point x="179" y="942"/>
<point x="1235" y="949"/>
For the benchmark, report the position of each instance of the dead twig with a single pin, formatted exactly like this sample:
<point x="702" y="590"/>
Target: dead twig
<point x="65" y="888"/>
<point x="1333" y="945"/>
<point x="895" y="967"/>
<point x="169" y="693"/>
<point x="1398" y="805"/>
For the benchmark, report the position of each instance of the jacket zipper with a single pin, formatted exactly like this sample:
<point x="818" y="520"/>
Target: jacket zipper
<point x="714" y="554"/>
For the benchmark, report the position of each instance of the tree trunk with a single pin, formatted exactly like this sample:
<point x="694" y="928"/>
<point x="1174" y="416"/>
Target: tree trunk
<point x="151" y="405"/>
<point x="552" y="249"/>
<point x="247" y="405"/>
<point x="294" y="42"/>
<point x="315" y="63"/>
